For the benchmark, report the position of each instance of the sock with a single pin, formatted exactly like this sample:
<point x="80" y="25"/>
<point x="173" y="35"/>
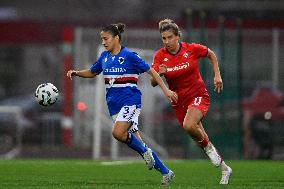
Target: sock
<point x="133" y="142"/>
<point x="159" y="165"/>
<point x="204" y="142"/>
<point x="223" y="166"/>
<point x="210" y="147"/>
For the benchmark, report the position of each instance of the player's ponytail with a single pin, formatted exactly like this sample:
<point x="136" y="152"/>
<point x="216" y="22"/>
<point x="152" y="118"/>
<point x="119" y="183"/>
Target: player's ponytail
<point x="120" y="27"/>
<point x="115" y="29"/>
<point x="168" y="24"/>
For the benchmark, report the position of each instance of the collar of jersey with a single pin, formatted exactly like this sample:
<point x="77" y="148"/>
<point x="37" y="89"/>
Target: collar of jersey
<point x="122" y="47"/>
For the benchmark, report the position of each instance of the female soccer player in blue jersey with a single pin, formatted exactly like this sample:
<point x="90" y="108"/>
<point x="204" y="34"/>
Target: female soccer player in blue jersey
<point x="121" y="68"/>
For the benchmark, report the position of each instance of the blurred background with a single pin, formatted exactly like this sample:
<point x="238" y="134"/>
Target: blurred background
<point x="41" y="39"/>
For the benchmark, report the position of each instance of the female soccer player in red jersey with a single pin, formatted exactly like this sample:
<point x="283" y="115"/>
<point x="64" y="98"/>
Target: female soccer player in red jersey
<point x="178" y="63"/>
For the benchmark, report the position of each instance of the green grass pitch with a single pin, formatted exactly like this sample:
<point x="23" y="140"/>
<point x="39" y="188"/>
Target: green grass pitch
<point x="76" y="174"/>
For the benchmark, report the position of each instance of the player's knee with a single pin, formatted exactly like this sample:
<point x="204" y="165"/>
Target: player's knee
<point x="118" y="135"/>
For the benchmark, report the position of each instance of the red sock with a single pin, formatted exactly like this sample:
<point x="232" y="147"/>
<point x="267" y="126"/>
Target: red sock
<point x="204" y="142"/>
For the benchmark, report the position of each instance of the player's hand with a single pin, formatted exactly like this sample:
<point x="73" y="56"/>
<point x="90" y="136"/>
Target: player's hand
<point x="71" y="73"/>
<point x="218" y="83"/>
<point x="162" y="69"/>
<point x="172" y="96"/>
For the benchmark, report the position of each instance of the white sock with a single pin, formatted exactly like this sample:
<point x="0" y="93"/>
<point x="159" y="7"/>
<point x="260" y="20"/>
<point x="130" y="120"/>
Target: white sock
<point x="208" y="147"/>
<point x="223" y="166"/>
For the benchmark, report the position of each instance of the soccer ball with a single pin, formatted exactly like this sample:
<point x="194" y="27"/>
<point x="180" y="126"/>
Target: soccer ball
<point x="46" y="94"/>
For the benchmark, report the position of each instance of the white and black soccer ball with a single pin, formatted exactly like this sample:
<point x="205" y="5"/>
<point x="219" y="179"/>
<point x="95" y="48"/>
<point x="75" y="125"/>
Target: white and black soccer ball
<point x="46" y="94"/>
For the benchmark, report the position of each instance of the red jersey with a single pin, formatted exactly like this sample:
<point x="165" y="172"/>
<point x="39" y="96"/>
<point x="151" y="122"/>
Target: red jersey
<point x="183" y="75"/>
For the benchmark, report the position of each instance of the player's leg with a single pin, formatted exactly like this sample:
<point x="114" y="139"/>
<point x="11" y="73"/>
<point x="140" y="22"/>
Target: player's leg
<point x="197" y="109"/>
<point x="121" y="132"/>
<point x="209" y="149"/>
<point x="159" y="165"/>
<point x="167" y="174"/>
<point x="213" y="154"/>
<point x="192" y="124"/>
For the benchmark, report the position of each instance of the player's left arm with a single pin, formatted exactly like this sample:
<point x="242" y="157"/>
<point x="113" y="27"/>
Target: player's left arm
<point x="218" y="83"/>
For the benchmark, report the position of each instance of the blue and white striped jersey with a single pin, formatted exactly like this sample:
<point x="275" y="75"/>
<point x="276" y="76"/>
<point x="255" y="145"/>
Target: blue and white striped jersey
<point x="120" y="73"/>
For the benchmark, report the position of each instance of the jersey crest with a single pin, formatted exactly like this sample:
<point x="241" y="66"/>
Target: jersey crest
<point x="120" y="60"/>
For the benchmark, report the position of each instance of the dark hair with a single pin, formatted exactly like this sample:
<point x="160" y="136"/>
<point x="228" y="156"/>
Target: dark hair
<point x="115" y="29"/>
<point x="168" y="24"/>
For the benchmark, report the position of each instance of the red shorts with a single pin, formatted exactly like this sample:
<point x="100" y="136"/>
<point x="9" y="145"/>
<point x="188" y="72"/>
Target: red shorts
<point x="202" y="103"/>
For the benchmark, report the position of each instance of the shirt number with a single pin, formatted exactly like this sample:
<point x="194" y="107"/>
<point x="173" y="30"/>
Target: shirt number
<point x="197" y="101"/>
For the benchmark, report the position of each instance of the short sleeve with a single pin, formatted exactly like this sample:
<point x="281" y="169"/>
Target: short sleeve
<point x="157" y="62"/>
<point x="199" y="50"/>
<point x="140" y="65"/>
<point x="97" y="66"/>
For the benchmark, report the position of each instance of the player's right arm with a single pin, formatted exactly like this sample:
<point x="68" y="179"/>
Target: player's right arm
<point x="94" y="70"/>
<point x="161" y="72"/>
<point x="161" y="69"/>
<point x="81" y="73"/>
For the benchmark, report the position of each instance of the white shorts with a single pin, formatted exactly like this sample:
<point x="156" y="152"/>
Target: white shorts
<point x="128" y="114"/>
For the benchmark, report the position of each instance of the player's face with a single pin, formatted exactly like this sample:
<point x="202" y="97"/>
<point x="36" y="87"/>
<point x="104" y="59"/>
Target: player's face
<point x="170" y="41"/>
<point x="108" y="41"/>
